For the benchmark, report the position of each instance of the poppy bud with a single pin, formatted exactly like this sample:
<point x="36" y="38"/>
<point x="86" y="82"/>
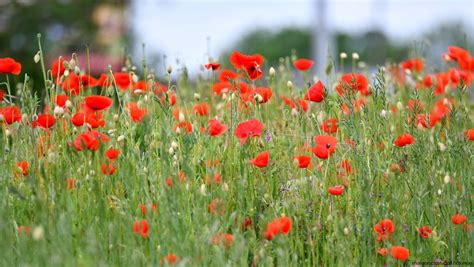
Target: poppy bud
<point x="355" y="56"/>
<point x="258" y="98"/>
<point x="181" y="117"/>
<point x="38" y="233"/>
<point x="442" y="147"/>
<point x="77" y="70"/>
<point x="447" y="179"/>
<point x="271" y="72"/>
<point x="346" y="231"/>
<point x="289" y="84"/>
<point x="343" y="55"/>
<point x="294" y="112"/>
<point x="37" y="57"/>
<point x="171" y="151"/>
<point x="169" y="69"/>
<point x="121" y="138"/>
<point x="58" y="111"/>
<point x="116" y="117"/>
<point x="399" y="105"/>
<point x="174" y="145"/>
<point x="66" y="73"/>
<point x="134" y="77"/>
<point x="225" y="187"/>
<point x="361" y="65"/>
<point x="197" y="96"/>
<point x="383" y="113"/>
<point x="202" y="190"/>
<point x="68" y="104"/>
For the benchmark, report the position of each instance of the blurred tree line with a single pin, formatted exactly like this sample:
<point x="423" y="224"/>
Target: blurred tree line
<point x="374" y="46"/>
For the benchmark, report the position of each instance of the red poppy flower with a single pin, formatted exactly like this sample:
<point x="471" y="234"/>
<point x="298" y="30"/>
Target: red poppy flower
<point x="325" y="146"/>
<point x="112" y="153"/>
<point x="201" y="109"/>
<point x="44" y="121"/>
<point x="71" y="84"/>
<point x="216" y="128"/>
<point x="329" y="126"/>
<point x="141" y="228"/>
<point x="78" y="119"/>
<point x="95" y="120"/>
<point x="123" y="80"/>
<point x="303" y="161"/>
<point x="278" y="226"/>
<point x="382" y="251"/>
<point x="470" y="134"/>
<point x="404" y="140"/>
<point x="108" y="168"/>
<point x="226" y="239"/>
<point x="384" y="228"/>
<point x="89" y="140"/>
<point x="303" y="64"/>
<point x="336" y="190"/>
<point x="61" y="100"/>
<point x="185" y="125"/>
<point x="9" y="66"/>
<point x="250" y="63"/>
<point x="415" y="65"/>
<point x="213" y="66"/>
<point x="265" y="93"/>
<point x="261" y="160"/>
<point x="11" y="114"/>
<point x="57" y="69"/>
<point x="424" y="231"/>
<point x="171" y="258"/>
<point x="315" y="93"/>
<point x="98" y="102"/>
<point x="458" y="54"/>
<point x="353" y="81"/>
<point x="136" y="114"/>
<point x="400" y="253"/>
<point x="23" y="165"/>
<point x="459" y="219"/>
<point x="226" y="75"/>
<point x="70" y="183"/>
<point x="88" y="81"/>
<point x="246" y="129"/>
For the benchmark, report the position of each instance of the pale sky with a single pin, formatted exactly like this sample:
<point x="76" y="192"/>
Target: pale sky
<point x="179" y="28"/>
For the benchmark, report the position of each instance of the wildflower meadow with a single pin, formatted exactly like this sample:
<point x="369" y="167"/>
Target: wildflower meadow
<point x="245" y="164"/>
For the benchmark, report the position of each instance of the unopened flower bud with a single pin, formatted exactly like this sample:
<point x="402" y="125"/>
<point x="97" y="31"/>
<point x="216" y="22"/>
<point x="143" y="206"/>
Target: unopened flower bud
<point x="37" y="57"/>
<point x="174" y="145"/>
<point x="58" y="110"/>
<point x="169" y="69"/>
<point x="197" y="96"/>
<point x="121" y="138"/>
<point x="68" y="104"/>
<point x="181" y="117"/>
<point x="343" y="55"/>
<point x="289" y="84"/>
<point x="258" y="98"/>
<point x="355" y="56"/>
<point x="447" y="179"/>
<point x="171" y="151"/>
<point x="271" y="72"/>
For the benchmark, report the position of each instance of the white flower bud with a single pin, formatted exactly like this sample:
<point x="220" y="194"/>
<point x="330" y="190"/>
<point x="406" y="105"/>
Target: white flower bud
<point x="8" y="132"/>
<point x="38" y="233"/>
<point x="169" y="69"/>
<point x="197" y="96"/>
<point x="181" y="117"/>
<point x="343" y="55"/>
<point x="120" y="138"/>
<point x="134" y="77"/>
<point x="355" y="56"/>
<point x="399" y="105"/>
<point x="442" y="147"/>
<point x="346" y="230"/>
<point x="289" y="84"/>
<point x="447" y="179"/>
<point x="271" y="72"/>
<point x="37" y="57"/>
<point x="294" y="112"/>
<point x="58" y="110"/>
<point x="77" y="70"/>
<point x="115" y="117"/>
<point x="225" y="187"/>
<point x="171" y="151"/>
<point x="439" y="192"/>
<point x="383" y="113"/>
<point x="258" y="98"/>
<point x="202" y="190"/>
<point x="174" y="145"/>
<point x="66" y="73"/>
<point x="68" y="104"/>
